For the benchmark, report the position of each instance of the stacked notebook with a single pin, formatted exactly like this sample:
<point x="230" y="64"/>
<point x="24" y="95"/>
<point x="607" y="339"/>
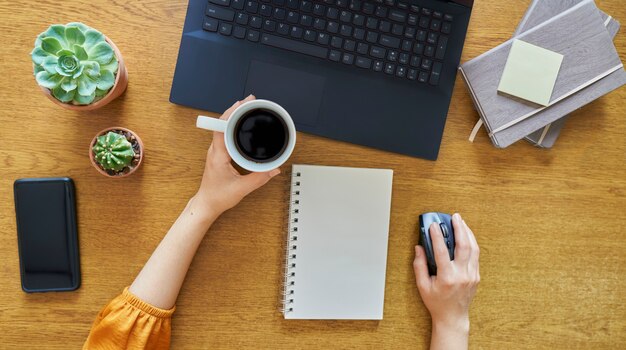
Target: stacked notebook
<point x="574" y="29"/>
<point x="337" y="243"/>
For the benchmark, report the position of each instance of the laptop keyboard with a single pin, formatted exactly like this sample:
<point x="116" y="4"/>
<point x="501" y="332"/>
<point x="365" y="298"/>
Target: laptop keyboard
<point x="392" y="37"/>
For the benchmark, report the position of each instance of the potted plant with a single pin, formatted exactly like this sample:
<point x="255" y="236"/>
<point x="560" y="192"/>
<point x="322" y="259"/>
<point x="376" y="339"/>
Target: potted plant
<point x="116" y="152"/>
<point x="77" y="67"/>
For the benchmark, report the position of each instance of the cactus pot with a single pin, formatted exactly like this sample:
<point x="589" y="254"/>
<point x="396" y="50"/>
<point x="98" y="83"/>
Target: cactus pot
<point x="121" y="82"/>
<point x="137" y="147"/>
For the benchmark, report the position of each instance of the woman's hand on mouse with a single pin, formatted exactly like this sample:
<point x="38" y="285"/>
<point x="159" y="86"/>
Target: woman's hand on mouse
<point x="448" y="295"/>
<point x="222" y="186"/>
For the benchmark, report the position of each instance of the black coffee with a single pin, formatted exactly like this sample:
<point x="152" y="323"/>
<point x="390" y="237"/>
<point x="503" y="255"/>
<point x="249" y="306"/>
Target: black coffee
<point x="261" y="135"/>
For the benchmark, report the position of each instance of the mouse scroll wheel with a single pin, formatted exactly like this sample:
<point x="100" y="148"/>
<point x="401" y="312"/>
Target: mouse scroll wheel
<point x="444" y="229"/>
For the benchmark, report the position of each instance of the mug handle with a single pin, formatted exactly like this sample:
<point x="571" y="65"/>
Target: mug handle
<point x="209" y="123"/>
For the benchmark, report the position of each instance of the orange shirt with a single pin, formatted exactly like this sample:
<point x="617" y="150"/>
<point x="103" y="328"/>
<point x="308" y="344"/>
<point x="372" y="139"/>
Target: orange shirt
<point x="130" y="323"/>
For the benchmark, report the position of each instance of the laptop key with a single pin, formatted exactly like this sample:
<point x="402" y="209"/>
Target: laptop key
<point x="333" y="27"/>
<point x="296" y="32"/>
<point x="415" y="61"/>
<point x="319" y="9"/>
<point x="390" y="68"/>
<point x="220" y="2"/>
<point x="266" y="10"/>
<point x="355" y="5"/>
<point x="429" y="51"/>
<point x="407" y="45"/>
<point x="381" y="11"/>
<point x="334" y="55"/>
<point x="306" y="20"/>
<point x="332" y="13"/>
<point x="389" y="41"/>
<point x="336" y="42"/>
<point x="279" y="13"/>
<point x="397" y="30"/>
<point x="293" y="17"/>
<point x="410" y="32"/>
<point x="345" y="16"/>
<point x="310" y="35"/>
<point x="378" y="52"/>
<point x="421" y="35"/>
<point x="401" y="72"/>
<point x="412" y="20"/>
<point x="239" y="32"/>
<point x="347" y="58"/>
<point x="293" y="4"/>
<point x="437" y="14"/>
<point x="362" y="48"/>
<point x="403" y="58"/>
<point x="432" y="38"/>
<point x="412" y="74"/>
<point x="323" y="38"/>
<point x="422" y="77"/>
<point x="372" y="37"/>
<point x="398" y="16"/>
<point x="426" y="64"/>
<point x="220" y="13"/>
<point x="252" y="6"/>
<point x="359" y="33"/>
<point x="256" y="22"/>
<point x="368" y="8"/>
<point x="441" y="47"/>
<point x="418" y="49"/>
<point x="269" y="25"/>
<point x="448" y="17"/>
<point x="435" y="25"/>
<point x="319" y="24"/>
<point x="242" y="19"/>
<point x="253" y="35"/>
<point x="358" y="20"/>
<point x="282" y="28"/>
<point x="435" y="74"/>
<point x="384" y="26"/>
<point x="426" y="12"/>
<point x="378" y="66"/>
<point x="306" y="6"/>
<point x="238" y="4"/>
<point x="293" y="45"/>
<point x="226" y="28"/>
<point x="446" y="28"/>
<point x="210" y="24"/>
<point x="392" y="55"/>
<point x="345" y="30"/>
<point x="349" y="45"/>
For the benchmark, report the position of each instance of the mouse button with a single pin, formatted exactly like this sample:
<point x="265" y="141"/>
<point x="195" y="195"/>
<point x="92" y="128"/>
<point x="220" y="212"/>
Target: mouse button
<point x="444" y="229"/>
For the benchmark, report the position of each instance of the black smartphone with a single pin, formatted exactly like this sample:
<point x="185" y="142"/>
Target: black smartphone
<point x="47" y="238"/>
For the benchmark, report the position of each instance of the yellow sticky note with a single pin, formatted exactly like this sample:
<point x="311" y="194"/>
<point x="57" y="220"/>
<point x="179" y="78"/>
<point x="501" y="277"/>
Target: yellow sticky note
<point x="530" y="72"/>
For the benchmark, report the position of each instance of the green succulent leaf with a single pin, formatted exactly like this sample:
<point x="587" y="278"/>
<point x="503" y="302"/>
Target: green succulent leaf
<point x="106" y="81"/>
<point x="69" y="85"/>
<point x="67" y="64"/>
<point x="92" y="37"/>
<point x="92" y="69"/>
<point x="80" y="25"/>
<point x="64" y="96"/>
<point x="38" y="69"/>
<point x="101" y="53"/>
<point x="80" y="52"/>
<point x="74" y="35"/>
<point x="56" y="31"/>
<point x="78" y="72"/>
<point x="51" y="45"/>
<point x="48" y="80"/>
<point x="50" y="64"/>
<point x="86" y="86"/>
<point x="38" y="55"/>
<point x="84" y="100"/>
<point x="111" y="66"/>
<point x="101" y="93"/>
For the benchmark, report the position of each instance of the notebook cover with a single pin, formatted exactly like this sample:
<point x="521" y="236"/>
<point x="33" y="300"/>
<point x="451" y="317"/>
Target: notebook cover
<point x="337" y="263"/>
<point x="538" y="12"/>
<point x="588" y="50"/>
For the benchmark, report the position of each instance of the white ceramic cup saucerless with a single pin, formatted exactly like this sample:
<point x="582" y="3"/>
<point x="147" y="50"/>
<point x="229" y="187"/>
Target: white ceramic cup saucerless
<point x="228" y="128"/>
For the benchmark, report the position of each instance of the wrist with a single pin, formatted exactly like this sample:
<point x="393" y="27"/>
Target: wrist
<point x="458" y="325"/>
<point x="200" y="213"/>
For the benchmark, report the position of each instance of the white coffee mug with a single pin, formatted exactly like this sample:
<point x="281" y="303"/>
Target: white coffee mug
<point x="228" y="128"/>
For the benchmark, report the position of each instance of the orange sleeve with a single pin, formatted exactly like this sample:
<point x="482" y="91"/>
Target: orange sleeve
<point x="127" y="322"/>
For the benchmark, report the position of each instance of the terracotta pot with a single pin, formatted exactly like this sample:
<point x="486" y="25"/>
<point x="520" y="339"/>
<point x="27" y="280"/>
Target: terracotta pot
<point x="121" y="82"/>
<point x="97" y="166"/>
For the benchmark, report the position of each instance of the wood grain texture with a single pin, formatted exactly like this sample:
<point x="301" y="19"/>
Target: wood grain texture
<point x="551" y="224"/>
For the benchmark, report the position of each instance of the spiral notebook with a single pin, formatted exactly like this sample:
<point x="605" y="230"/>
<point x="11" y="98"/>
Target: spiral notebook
<point x="337" y="243"/>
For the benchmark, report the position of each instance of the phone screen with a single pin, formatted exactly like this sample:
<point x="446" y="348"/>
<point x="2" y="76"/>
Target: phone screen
<point x="46" y="232"/>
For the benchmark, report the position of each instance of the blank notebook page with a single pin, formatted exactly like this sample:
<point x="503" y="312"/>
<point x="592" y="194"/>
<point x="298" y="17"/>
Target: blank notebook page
<point x="336" y="264"/>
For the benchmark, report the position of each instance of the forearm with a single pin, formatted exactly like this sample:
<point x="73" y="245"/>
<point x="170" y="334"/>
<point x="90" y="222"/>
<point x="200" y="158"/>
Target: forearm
<point x="160" y="280"/>
<point x="450" y="335"/>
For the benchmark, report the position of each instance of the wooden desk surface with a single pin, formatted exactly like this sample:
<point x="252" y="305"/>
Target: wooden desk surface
<point x="551" y="223"/>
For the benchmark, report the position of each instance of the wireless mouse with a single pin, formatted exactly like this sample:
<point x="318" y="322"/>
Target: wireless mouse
<point x="445" y="224"/>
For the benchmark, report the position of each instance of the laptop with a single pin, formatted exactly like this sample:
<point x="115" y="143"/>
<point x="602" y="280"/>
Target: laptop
<point x="374" y="73"/>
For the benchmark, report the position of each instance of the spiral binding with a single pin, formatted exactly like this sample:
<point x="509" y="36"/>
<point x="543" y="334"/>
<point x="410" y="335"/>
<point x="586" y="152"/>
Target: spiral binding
<point x="292" y="246"/>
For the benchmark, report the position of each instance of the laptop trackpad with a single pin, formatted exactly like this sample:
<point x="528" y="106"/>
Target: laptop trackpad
<point x="300" y="93"/>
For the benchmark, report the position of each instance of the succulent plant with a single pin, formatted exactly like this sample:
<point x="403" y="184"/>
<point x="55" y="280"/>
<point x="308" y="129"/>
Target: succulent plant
<point x="75" y="62"/>
<point x="113" y="151"/>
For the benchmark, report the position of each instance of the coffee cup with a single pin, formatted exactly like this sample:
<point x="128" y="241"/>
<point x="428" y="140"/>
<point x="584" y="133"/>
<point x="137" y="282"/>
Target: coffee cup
<point x="259" y="135"/>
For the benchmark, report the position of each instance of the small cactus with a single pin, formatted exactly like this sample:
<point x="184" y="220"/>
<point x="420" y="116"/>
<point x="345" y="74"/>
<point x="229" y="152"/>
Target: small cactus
<point x="113" y="151"/>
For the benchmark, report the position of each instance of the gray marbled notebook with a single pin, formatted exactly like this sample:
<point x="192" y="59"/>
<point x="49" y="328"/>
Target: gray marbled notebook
<point x="580" y="35"/>
<point x="538" y="12"/>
